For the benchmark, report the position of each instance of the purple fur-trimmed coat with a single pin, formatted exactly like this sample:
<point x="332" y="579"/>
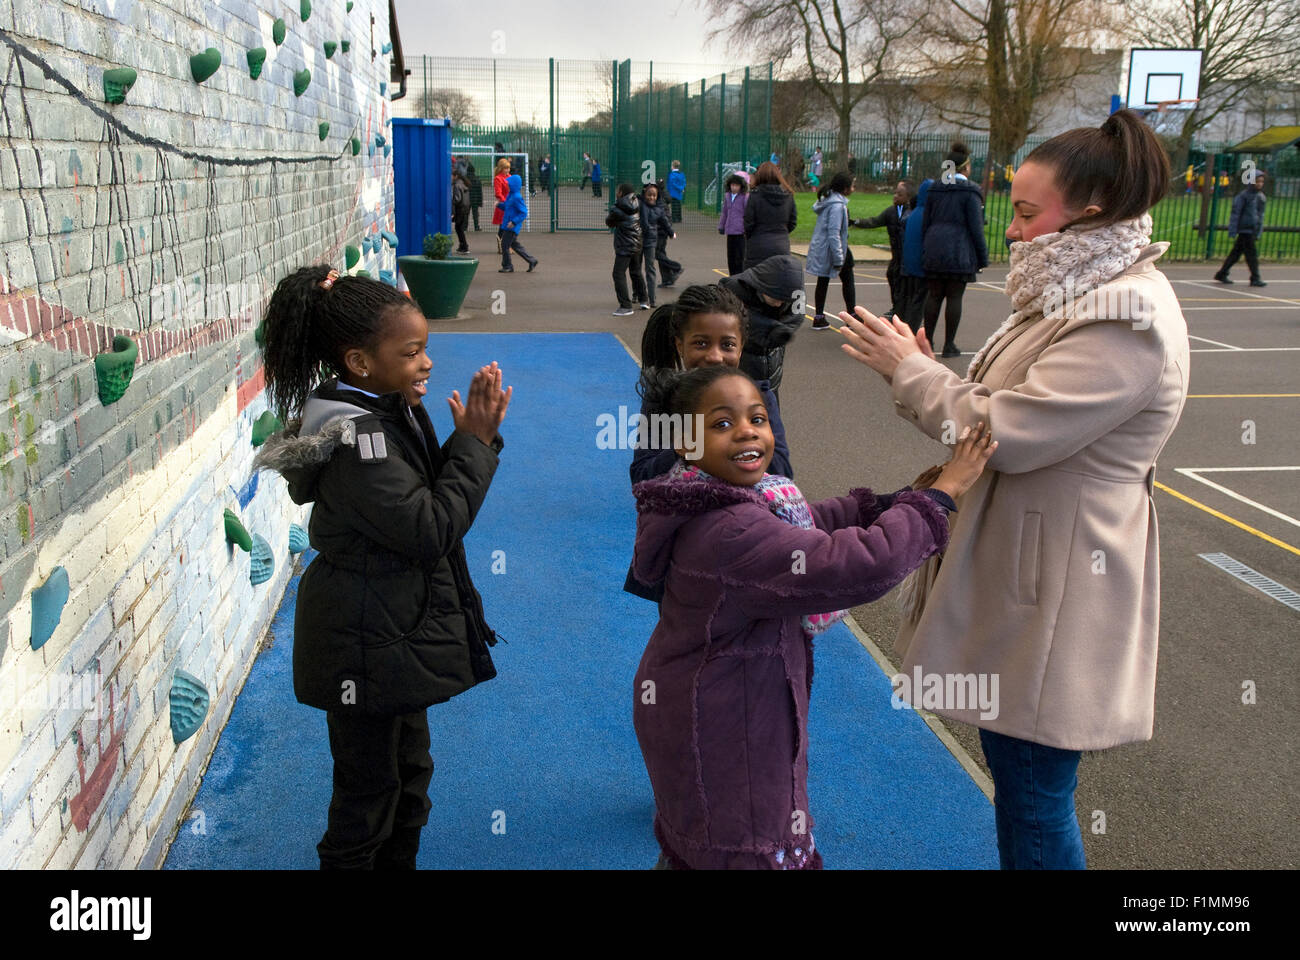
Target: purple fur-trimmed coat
<point x="725" y="739"/>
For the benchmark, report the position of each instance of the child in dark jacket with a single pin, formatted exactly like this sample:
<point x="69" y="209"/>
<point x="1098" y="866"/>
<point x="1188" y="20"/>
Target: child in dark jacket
<point x="893" y="218"/>
<point x="387" y="620"/>
<point x="731" y="221"/>
<point x="953" y="249"/>
<point x="720" y="698"/>
<point x="706" y="327"/>
<point x="656" y="228"/>
<point x="625" y="218"/>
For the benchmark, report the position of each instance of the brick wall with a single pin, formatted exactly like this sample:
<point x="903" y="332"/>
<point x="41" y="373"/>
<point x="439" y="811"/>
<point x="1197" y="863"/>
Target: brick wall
<point x="167" y="219"/>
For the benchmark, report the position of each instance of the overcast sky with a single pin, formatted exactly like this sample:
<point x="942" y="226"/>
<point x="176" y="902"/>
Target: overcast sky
<point x="568" y="29"/>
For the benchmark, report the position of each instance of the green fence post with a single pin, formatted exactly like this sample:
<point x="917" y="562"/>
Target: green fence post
<point x="1211" y="181"/>
<point x="552" y="191"/>
<point x="722" y="130"/>
<point x="744" y="121"/>
<point x="699" y="157"/>
<point x="767" y="152"/>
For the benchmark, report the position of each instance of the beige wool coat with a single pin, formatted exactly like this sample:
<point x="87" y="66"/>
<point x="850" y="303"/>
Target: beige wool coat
<point x="1051" y="579"/>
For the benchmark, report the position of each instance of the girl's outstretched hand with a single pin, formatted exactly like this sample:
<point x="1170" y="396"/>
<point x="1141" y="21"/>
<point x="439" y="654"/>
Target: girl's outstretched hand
<point x="971" y="453"/>
<point x="485" y="407"/>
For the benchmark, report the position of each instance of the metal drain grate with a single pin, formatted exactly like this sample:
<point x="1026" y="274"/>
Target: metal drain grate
<point x="1245" y="574"/>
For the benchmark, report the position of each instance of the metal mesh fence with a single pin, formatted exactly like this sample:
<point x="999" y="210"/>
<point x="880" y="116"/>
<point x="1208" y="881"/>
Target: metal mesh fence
<point x="568" y="122"/>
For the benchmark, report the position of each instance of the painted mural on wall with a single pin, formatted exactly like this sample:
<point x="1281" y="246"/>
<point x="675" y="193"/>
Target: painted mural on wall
<point x="145" y="218"/>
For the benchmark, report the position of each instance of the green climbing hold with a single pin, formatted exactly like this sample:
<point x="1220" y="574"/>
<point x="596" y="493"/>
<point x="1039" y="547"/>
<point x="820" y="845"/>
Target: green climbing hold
<point x="48" y="601"/>
<point x="304" y="8"/>
<point x="349" y="6"/>
<point x="356" y="146"/>
<point x="256" y="57"/>
<point x="346" y="45"/>
<point x="236" y="533"/>
<point x="351" y="256"/>
<point x="324" y="129"/>
<point x="330" y="47"/>
<point x="301" y="80"/>
<point x="260" y="334"/>
<point x="277" y="32"/>
<point x="117" y="82"/>
<point x="114" y="370"/>
<point x="264" y="426"/>
<point x="363" y="273"/>
<point x="205" y="64"/>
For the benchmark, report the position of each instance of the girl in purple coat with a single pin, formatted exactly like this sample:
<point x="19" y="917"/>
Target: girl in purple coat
<point x="751" y="572"/>
<point x="731" y="221"/>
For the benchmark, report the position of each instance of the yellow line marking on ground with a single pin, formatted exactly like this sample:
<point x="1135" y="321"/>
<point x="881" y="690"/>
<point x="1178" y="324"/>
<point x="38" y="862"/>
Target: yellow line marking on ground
<point x="1223" y="516"/>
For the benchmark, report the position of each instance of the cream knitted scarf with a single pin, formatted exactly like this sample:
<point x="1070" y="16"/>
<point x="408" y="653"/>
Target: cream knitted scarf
<point x="1047" y="275"/>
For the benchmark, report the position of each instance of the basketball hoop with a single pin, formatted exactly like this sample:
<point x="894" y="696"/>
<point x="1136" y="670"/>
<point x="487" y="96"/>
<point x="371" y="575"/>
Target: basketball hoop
<point x="1159" y="118"/>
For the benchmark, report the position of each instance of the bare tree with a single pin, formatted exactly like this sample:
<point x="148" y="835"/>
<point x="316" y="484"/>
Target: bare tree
<point x="996" y="61"/>
<point x="839" y="47"/>
<point x="446" y="102"/>
<point x="1249" y="47"/>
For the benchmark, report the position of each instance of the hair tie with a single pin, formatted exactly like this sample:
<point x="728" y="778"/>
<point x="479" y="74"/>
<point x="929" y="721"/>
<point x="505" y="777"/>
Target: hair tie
<point x="328" y="282"/>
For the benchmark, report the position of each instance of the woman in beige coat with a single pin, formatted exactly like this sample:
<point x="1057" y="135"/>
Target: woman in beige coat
<point x="1050" y="586"/>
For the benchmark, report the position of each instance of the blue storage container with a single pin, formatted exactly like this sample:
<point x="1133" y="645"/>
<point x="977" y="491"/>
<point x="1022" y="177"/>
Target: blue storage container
<point x="421" y="181"/>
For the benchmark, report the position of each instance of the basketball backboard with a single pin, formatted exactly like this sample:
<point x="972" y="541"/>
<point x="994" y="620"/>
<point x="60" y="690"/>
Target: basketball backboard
<point x="1162" y="76"/>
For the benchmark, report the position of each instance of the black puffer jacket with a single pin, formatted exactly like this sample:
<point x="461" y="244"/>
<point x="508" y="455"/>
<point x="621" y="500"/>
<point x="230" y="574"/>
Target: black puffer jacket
<point x="952" y="232"/>
<point x="655" y="222"/>
<point x="770" y="216"/>
<point x="770" y="328"/>
<point x="388" y="620"/>
<point x="625" y="218"/>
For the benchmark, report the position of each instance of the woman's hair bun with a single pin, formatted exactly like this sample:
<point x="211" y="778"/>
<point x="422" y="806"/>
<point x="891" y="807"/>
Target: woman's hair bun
<point x="959" y="147"/>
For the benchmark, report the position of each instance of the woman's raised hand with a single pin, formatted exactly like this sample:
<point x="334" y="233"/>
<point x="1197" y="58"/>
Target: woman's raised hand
<point x="485" y="406"/>
<point x="879" y="345"/>
<point x="971" y="453"/>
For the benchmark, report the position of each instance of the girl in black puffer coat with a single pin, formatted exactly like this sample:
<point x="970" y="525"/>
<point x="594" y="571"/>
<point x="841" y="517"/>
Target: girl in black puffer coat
<point x="770" y="216"/>
<point x="387" y="620"/>
<point x="953" y="243"/>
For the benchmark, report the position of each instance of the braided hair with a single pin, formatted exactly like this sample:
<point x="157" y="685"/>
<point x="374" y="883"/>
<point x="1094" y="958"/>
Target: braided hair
<point x="679" y="391"/>
<point x="669" y="322"/>
<point x="307" y="330"/>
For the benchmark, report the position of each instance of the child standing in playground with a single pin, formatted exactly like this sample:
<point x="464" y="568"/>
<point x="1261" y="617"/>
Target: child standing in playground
<point x="595" y="178"/>
<point x="893" y="218"/>
<point x="625" y="218"/>
<point x="731" y="221"/>
<point x="516" y="212"/>
<point x="655" y="227"/>
<point x="460" y="207"/>
<point x="475" y="192"/>
<point x="720" y="698"/>
<point x="828" y="251"/>
<point x="387" y="621"/>
<point x="669" y="269"/>
<point x="677" y="189"/>
<point x="501" y="189"/>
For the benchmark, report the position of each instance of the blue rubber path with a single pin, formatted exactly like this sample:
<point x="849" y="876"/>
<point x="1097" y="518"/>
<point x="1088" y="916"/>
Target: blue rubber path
<point x="547" y="749"/>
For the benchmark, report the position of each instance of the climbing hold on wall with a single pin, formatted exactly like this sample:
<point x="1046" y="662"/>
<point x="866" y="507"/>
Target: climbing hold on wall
<point x="387" y="48"/>
<point x="323" y="129"/>
<point x="47" y="606"/>
<point x="265" y="425"/>
<point x="205" y="64"/>
<point x="301" y="80"/>
<point x="388" y="277"/>
<point x="350" y="256"/>
<point x="356" y="146"/>
<point x="259" y="334"/>
<point x="256" y="57"/>
<point x="379" y="140"/>
<point x="349" y="6"/>
<point x="390" y="237"/>
<point x="387" y="149"/>
<point x="113" y="370"/>
<point x="330" y="47"/>
<point x="363" y="273"/>
<point x="117" y="82"/>
<point x="346" y="45"/>
<point x="277" y="32"/>
<point x="298" y="539"/>
<point x="236" y="532"/>
<point x="189" y="705"/>
<point x="383" y="87"/>
<point x="304" y="8"/>
<point x="262" y="564"/>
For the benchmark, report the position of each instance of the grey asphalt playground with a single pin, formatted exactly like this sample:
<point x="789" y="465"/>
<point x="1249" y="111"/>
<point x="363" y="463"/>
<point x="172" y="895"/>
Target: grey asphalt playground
<point x="1217" y="785"/>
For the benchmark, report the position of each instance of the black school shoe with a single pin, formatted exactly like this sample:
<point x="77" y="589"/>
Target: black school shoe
<point x="1222" y="278"/>
<point x="533" y="265"/>
<point x="951" y="350"/>
<point x="821" y="323"/>
<point x="1256" y="282"/>
<point x="506" y="270"/>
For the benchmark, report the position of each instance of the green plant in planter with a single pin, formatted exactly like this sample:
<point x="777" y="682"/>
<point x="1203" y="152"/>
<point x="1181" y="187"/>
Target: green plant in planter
<point x="256" y="57"/>
<point x="114" y="369"/>
<point x="437" y="246"/>
<point x="117" y="83"/>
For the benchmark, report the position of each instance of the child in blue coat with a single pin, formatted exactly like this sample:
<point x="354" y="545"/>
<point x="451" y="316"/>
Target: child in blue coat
<point x="512" y="221"/>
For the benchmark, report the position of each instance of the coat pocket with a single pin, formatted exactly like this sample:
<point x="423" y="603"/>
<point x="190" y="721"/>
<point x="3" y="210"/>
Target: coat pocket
<point x="1031" y="542"/>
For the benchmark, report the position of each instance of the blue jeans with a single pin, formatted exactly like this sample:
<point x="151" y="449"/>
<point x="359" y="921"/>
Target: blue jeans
<point x="1033" y="801"/>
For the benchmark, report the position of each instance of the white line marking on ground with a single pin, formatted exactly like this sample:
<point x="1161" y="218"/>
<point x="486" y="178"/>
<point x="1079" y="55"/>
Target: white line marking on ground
<point x="1235" y="469"/>
<point x="1215" y="342"/>
<point x="1244" y="350"/>
<point x="1254" y="296"/>
<point x="1236" y="496"/>
<point x="1265" y="585"/>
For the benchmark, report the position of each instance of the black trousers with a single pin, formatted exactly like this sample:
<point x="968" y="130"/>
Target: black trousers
<point x="735" y="253"/>
<point x="461" y="222"/>
<point x="894" y="274"/>
<point x="510" y="241"/>
<point x="595" y="188"/>
<point x="381" y="802"/>
<point x="669" y="269"/>
<point x="912" y="308"/>
<point x="649" y="258"/>
<point x="938" y="292"/>
<point x="622" y="264"/>
<point x="474" y="211"/>
<point x="585" y="180"/>
<point x="677" y="211"/>
<point x="846" y="280"/>
<point x="1245" y="245"/>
